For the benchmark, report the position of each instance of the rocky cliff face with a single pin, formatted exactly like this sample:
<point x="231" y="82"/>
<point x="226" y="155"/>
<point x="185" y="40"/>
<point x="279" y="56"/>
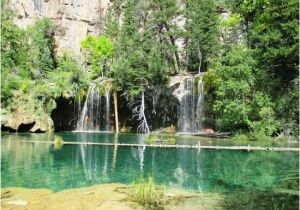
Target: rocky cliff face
<point x="74" y="18"/>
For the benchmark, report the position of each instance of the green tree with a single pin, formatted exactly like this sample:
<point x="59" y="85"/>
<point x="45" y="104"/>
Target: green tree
<point x="234" y="89"/>
<point x="14" y="56"/>
<point x="202" y="33"/>
<point x="272" y="29"/>
<point x="99" y="50"/>
<point x="41" y="50"/>
<point x="161" y="27"/>
<point x="138" y="62"/>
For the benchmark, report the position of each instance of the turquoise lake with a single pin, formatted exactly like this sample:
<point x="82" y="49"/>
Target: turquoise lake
<point x="39" y="165"/>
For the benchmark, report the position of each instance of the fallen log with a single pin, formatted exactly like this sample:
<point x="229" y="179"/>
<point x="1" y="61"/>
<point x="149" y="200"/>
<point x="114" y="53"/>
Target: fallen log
<point x="197" y="146"/>
<point x="214" y="135"/>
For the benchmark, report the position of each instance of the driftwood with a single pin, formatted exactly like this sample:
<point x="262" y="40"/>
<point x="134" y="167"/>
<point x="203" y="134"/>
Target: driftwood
<point x="198" y="146"/>
<point x="215" y="135"/>
<point x="211" y="135"/>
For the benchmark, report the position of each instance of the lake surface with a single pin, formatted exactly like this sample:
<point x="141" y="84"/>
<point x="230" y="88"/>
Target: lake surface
<point x="39" y="165"/>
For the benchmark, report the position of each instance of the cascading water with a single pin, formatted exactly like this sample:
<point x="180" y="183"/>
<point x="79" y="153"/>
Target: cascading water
<point x="95" y="115"/>
<point x="191" y="104"/>
<point x="107" y="111"/>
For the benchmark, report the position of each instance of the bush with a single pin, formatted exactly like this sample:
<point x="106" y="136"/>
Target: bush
<point x="260" y="136"/>
<point x="147" y="193"/>
<point x="240" y="137"/>
<point x="267" y="125"/>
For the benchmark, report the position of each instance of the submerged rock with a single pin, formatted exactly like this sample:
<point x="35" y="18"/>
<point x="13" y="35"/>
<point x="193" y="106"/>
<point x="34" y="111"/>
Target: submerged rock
<point x="18" y="203"/>
<point x="116" y="197"/>
<point x="105" y="196"/>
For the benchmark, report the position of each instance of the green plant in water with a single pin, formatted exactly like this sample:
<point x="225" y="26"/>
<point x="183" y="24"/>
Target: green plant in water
<point x="147" y="193"/>
<point x="161" y="138"/>
<point x="58" y="142"/>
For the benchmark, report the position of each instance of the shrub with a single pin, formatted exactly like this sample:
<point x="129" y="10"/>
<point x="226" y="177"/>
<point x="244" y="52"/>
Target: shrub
<point x="240" y="137"/>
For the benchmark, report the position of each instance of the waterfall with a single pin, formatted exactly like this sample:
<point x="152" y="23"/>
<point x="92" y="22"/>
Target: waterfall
<point x="93" y="116"/>
<point x="107" y="112"/>
<point x="190" y="96"/>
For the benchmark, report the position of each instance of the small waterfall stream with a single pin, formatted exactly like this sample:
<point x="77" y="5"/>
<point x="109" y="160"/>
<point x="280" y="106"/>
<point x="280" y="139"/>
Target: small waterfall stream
<point x="107" y="111"/>
<point x="95" y="115"/>
<point x="190" y="96"/>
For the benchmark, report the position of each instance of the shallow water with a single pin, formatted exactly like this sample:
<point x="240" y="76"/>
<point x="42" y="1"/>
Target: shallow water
<point x="42" y="166"/>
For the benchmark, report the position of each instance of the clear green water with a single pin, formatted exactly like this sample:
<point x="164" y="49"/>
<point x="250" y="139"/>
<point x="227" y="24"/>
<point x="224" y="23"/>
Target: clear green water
<point x="41" y="166"/>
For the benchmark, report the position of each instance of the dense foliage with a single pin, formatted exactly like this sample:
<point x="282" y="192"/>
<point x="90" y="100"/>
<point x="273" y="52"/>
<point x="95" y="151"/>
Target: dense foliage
<point x="270" y="29"/>
<point x="99" y="50"/>
<point x="249" y="56"/>
<point x="32" y="75"/>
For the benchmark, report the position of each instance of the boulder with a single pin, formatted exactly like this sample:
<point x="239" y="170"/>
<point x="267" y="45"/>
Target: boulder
<point x="25" y="118"/>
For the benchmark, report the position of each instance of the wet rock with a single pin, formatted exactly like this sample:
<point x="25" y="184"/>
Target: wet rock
<point x="177" y="84"/>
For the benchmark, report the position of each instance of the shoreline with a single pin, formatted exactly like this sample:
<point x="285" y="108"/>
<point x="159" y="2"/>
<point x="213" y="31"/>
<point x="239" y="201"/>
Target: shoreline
<point x="115" y="196"/>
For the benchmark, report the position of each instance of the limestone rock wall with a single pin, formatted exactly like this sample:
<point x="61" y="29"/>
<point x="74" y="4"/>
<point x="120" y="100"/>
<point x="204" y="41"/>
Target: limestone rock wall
<point x="74" y="18"/>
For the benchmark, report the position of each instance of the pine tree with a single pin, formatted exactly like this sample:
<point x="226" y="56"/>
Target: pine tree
<point x="202" y="33"/>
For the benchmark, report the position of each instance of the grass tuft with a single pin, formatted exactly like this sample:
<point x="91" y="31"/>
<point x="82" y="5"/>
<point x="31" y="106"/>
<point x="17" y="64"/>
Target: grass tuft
<point x="147" y="193"/>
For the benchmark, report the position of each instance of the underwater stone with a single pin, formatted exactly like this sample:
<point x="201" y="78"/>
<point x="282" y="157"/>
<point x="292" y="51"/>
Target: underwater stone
<point x="18" y="203"/>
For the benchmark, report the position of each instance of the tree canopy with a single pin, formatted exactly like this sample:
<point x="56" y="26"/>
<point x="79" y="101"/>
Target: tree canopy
<point x="248" y="51"/>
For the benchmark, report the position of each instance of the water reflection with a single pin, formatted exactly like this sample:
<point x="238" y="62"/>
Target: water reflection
<point x="40" y="166"/>
<point x="116" y="140"/>
<point x="92" y="157"/>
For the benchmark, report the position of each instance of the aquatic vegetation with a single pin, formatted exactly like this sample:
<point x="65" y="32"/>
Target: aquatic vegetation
<point x="147" y="193"/>
<point x="160" y="138"/>
<point x="58" y="142"/>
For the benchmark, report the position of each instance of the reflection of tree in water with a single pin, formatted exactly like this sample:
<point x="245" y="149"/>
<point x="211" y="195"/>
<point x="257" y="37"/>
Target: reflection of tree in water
<point x="137" y="153"/>
<point x="115" y="152"/>
<point x="18" y="159"/>
<point x="34" y="152"/>
<point x="95" y="159"/>
<point x="141" y="150"/>
<point x="200" y="182"/>
<point x="229" y="170"/>
<point x="188" y="172"/>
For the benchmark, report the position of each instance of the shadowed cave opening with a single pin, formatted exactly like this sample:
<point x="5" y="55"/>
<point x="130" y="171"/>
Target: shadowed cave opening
<point x="25" y="127"/>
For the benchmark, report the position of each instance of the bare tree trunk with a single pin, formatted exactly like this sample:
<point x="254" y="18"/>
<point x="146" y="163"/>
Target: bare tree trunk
<point x="186" y="55"/>
<point x="176" y="55"/>
<point x="116" y="111"/>
<point x="139" y="112"/>
<point x="144" y="125"/>
<point x="199" y="56"/>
